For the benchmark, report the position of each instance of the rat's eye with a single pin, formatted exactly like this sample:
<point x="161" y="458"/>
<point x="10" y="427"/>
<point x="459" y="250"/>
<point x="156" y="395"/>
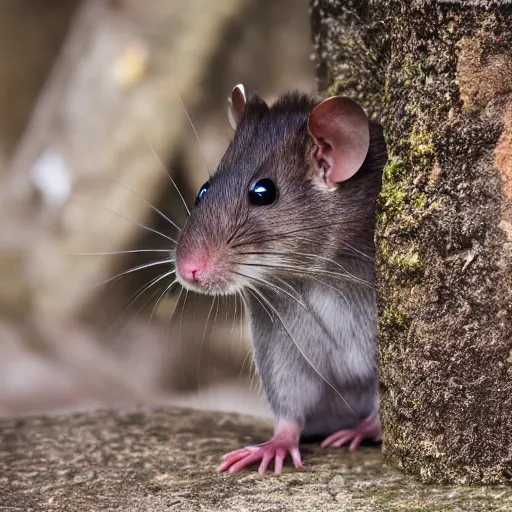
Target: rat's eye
<point x="263" y="192"/>
<point x="201" y="193"/>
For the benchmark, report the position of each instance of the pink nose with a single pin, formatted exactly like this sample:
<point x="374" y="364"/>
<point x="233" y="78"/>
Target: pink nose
<point x="192" y="269"/>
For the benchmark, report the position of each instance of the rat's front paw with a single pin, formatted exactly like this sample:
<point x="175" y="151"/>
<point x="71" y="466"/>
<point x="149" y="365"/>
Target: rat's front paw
<point x="274" y="450"/>
<point x="370" y="428"/>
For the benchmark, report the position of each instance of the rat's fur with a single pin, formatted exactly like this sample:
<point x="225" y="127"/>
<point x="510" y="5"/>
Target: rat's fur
<point x="304" y="263"/>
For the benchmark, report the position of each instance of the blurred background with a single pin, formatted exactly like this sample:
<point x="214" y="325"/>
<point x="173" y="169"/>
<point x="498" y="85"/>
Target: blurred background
<point x="95" y="99"/>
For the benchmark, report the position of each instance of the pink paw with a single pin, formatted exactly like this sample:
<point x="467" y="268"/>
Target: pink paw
<point x="369" y="428"/>
<point x="273" y="450"/>
<point x="286" y="441"/>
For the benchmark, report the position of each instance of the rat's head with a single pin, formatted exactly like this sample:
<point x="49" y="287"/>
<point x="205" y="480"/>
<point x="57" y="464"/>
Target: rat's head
<point x="277" y="195"/>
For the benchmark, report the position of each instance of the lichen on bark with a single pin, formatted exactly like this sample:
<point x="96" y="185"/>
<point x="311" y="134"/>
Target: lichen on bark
<point x="436" y="75"/>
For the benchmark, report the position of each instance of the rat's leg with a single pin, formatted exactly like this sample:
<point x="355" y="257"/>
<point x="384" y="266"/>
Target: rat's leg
<point x="284" y="442"/>
<point x="292" y="386"/>
<point x="370" y="428"/>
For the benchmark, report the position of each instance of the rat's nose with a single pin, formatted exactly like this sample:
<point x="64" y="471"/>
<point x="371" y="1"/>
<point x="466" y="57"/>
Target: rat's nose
<point x="192" y="269"/>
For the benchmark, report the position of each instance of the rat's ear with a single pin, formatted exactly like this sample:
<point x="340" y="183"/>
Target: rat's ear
<point x="236" y="105"/>
<point x="340" y="130"/>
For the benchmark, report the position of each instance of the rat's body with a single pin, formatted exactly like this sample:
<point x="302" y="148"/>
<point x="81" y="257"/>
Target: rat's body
<point x="299" y="247"/>
<point x="340" y="352"/>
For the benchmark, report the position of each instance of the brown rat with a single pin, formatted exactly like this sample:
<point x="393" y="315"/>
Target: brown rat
<point x="287" y="221"/>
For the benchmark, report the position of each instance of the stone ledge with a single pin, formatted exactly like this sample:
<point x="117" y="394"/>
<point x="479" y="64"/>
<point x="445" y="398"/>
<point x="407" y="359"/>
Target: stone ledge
<point x="165" y="459"/>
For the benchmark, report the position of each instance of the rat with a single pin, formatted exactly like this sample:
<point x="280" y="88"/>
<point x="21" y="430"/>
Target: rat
<point x="287" y="221"/>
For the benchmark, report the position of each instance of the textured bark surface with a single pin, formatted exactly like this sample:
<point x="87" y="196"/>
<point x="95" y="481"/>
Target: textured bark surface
<point x="166" y="459"/>
<point x="439" y="76"/>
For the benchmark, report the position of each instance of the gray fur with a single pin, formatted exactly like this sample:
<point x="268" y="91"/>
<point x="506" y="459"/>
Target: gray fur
<point x="308" y="258"/>
<point x="338" y="341"/>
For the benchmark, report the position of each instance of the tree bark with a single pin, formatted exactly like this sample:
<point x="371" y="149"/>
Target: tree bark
<point x="439" y="77"/>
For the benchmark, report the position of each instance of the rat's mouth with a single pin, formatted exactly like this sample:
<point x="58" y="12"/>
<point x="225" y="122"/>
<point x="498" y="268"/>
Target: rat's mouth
<point x="230" y="287"/>
<point x="202" y="273"/>
<point x="222" y="271"/>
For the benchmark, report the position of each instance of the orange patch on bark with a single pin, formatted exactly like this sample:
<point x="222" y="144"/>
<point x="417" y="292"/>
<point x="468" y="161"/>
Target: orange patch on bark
<point x="481" y="76"/>
<point x="484" y="74"/>
<point x="503" y="160"/>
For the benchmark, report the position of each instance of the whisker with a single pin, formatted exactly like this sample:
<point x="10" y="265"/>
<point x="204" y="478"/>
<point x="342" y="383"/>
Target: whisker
<point x="306" y="271"/>
<point x="242" y="367"/>
<point x="252" y="369"/>
<point x="226" y="298"/>
<point x="117" y="252"/>
<point x="331" y="287"/>
<point x="166" y="289"/>
<point x="358" y="251"/>
<point x="234" y="314"/>
<point x="180" y="338"/>
<point x="318" y="281"/>
<point x="242" y="316"/>
<point x="181" y="315"/>
<point x="272" y="286"/>
<point x="138" y="293"/>
<point x="144" y="304"/>
<point x="154" y="208"/>
<point x="143" y="226"/>
<point x="231" y="337"/>
<point x="280" y="235"/>
<point x="172" y="313"/>
<point x="274" y="309"/>
<point x="195" y="132"/>
<point x="159" y="299"/>
<point x="167" y="331"/>
<point x="134" y="269"/>
<point x="211" y="341"/>
<point x="287" y="284"/>
<point x="253" y="292"/>
<point x="330" y="260"/>
<point x="237" y="230"/>
<point x="253" y="376"/>
<point x="250" y="349"/>
<point x="201" y="345"/>
<point x="167" y="172"/>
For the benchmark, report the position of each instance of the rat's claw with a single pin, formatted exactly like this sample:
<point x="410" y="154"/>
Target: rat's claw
<point x="245" y="461"/>
<point x="370" y="428"/>
<point x="355" y="443"/>
<point x="233" y="457"/>
<point x="274" y="450"/>
<point x="227" y="455"/>
<point x="278" y="464"/>
<point x="265" y="461"/>
<point x="297" y="460"/>
<point x="284" y="442"/>
<point x="338" y="439"/>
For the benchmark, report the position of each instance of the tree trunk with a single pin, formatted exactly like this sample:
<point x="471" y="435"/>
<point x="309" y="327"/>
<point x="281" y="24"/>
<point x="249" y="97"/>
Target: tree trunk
<point x="439" y="76"/>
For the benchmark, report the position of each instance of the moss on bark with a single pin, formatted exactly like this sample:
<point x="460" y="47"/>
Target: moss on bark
<point x="439" y="77"/>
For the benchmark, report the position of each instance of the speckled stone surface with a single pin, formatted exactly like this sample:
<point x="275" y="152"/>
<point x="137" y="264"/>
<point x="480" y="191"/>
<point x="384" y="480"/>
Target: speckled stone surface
<point x="165" y="460"/>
